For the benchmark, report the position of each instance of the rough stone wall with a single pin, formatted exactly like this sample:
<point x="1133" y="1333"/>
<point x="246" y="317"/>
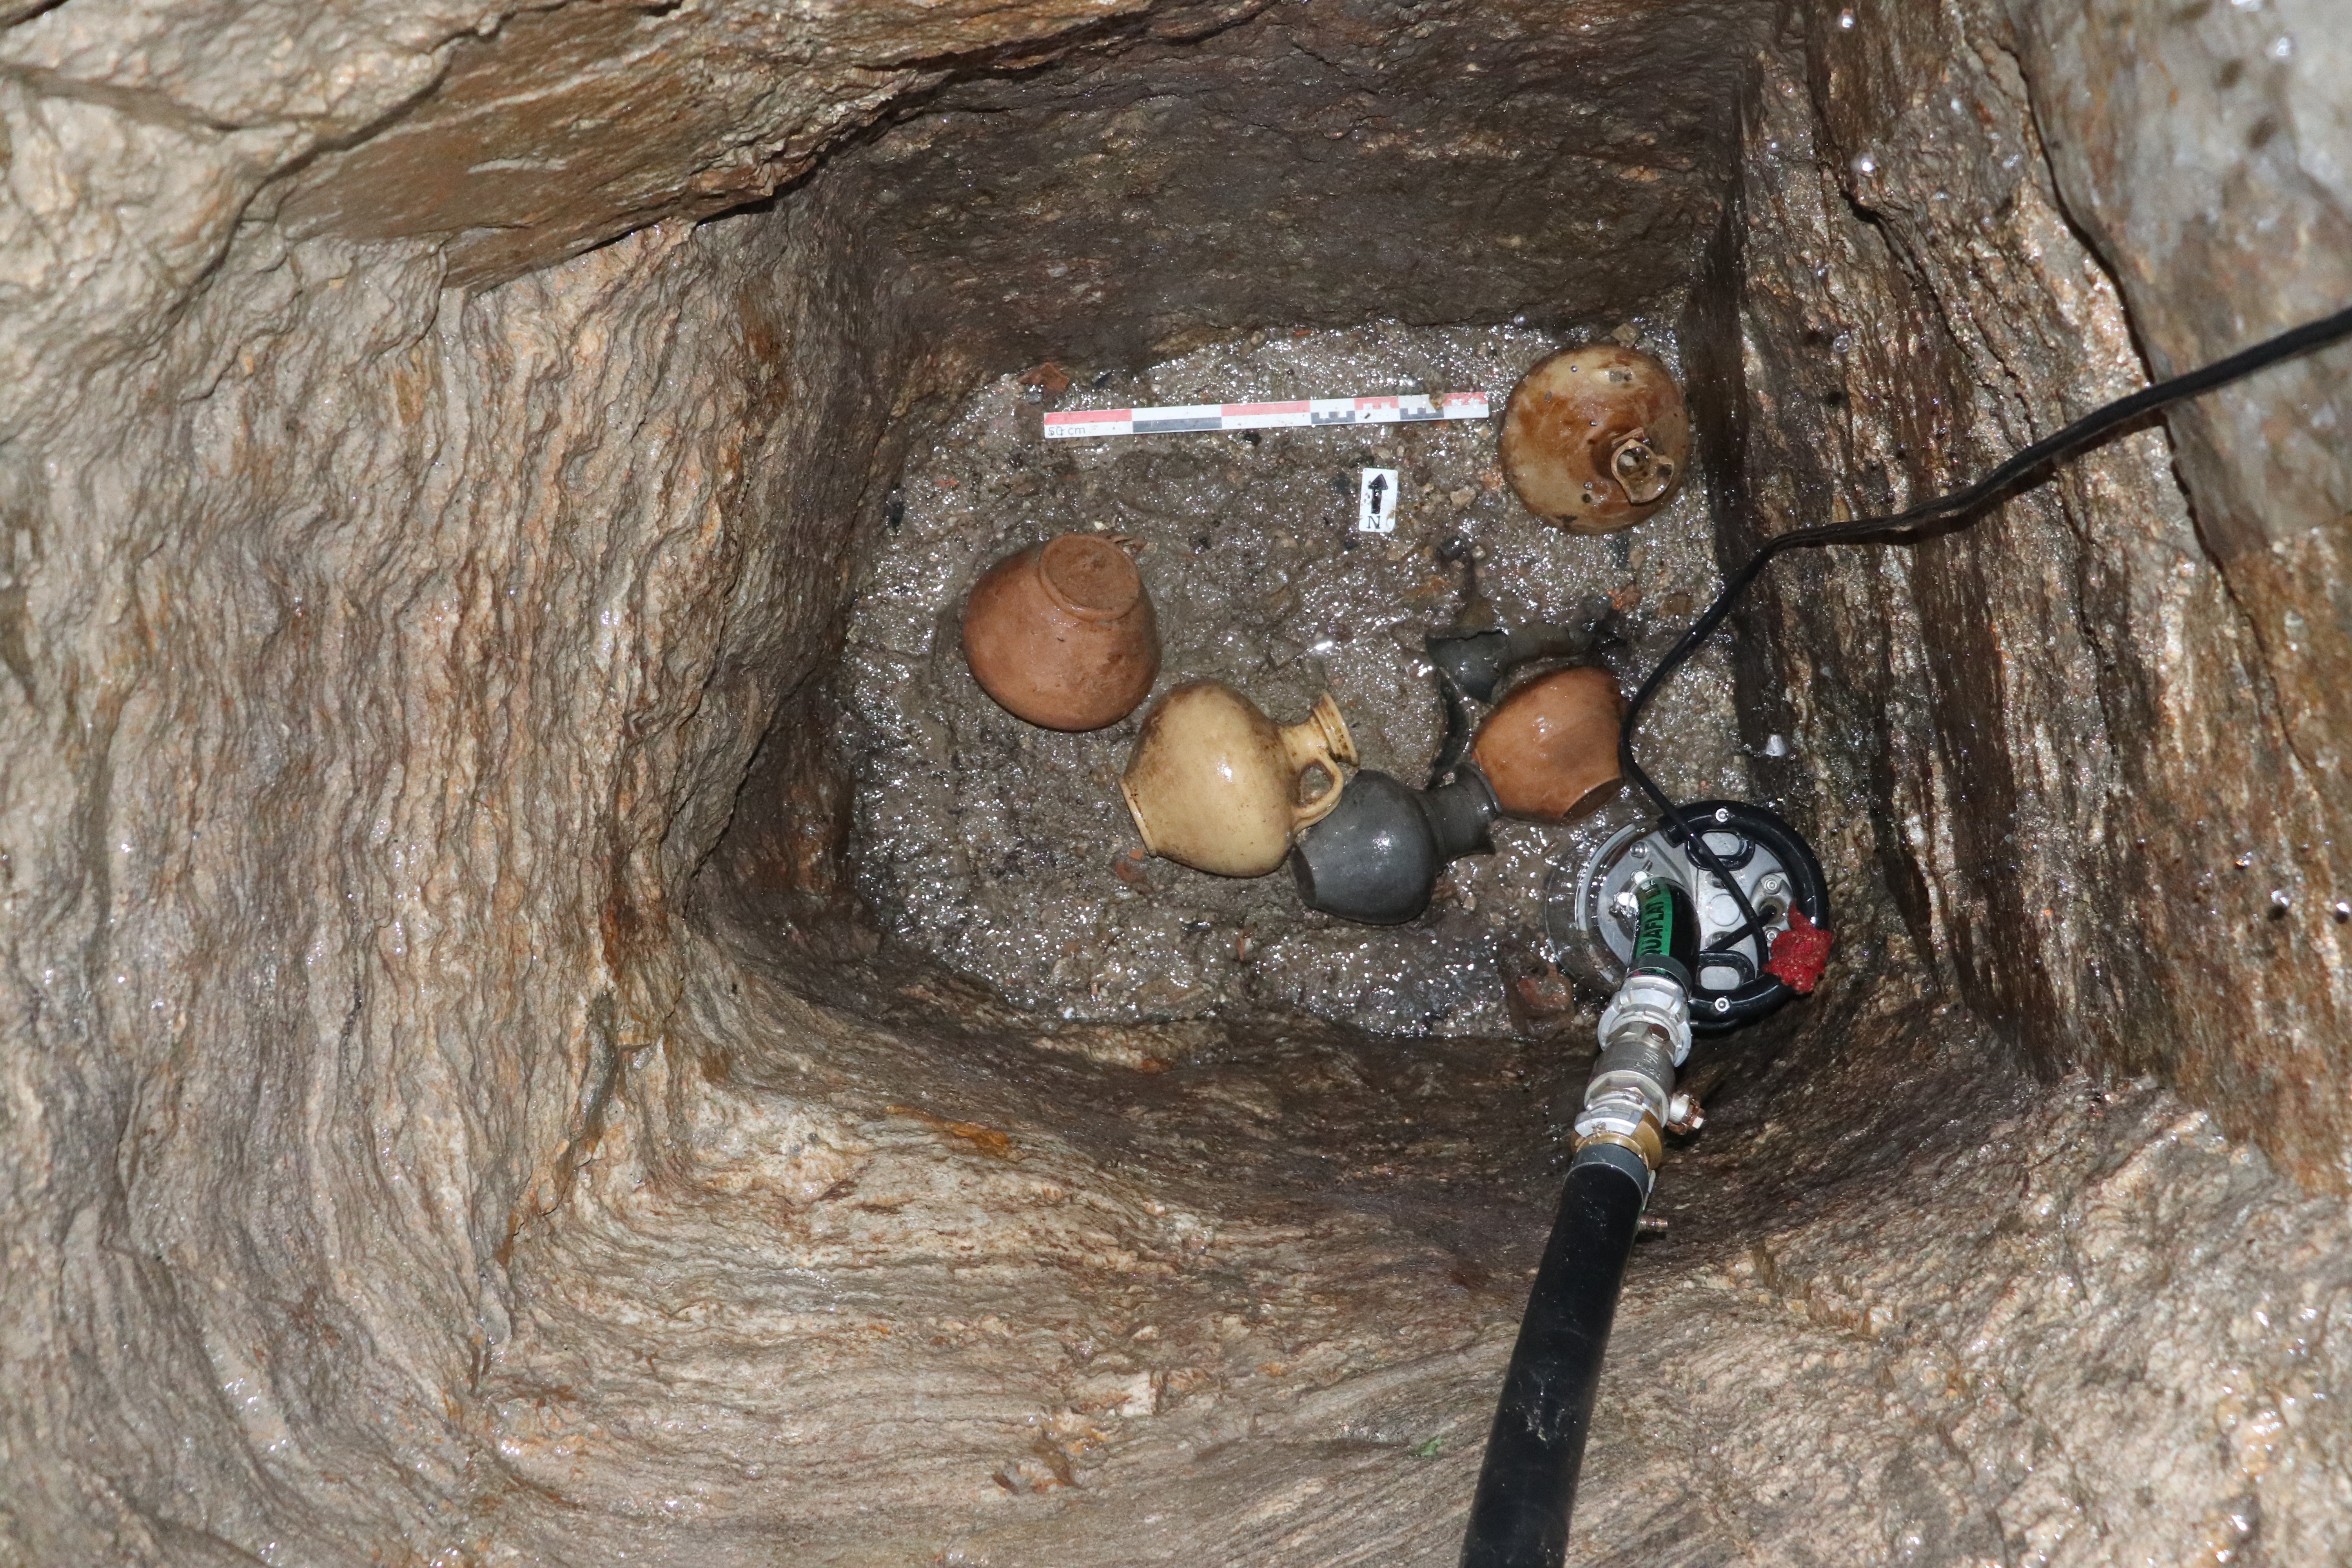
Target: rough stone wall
<point x="2056" y="1325"/>
<point x="2203" y="151"/>
<point x="392" y="654"/>
<point x="560" y="126"/>
<point x="384" y="689"/>
<point x="366" y="677"/>
<point x="381" y="660"/>
<point x="2089" y="738"/>
<point x="367" y="710"/>
<point x="1331" y="163"/>
<point x="933" y="1284"/>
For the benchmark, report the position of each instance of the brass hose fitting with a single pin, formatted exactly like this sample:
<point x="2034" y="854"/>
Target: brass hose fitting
<point x="1644" y="1035"/>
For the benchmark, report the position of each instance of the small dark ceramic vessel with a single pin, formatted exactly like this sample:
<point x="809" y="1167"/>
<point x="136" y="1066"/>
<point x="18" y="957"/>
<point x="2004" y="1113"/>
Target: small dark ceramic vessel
<point x="1377" y="858"/>
<point x="1477" y="661"/>
<point x="1473" y="663"/>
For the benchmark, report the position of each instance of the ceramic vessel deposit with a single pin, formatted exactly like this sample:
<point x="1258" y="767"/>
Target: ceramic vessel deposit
<point x="1214" y="784"/>
<point x="1595" y="438"/>
<point x="1063" y="634"/>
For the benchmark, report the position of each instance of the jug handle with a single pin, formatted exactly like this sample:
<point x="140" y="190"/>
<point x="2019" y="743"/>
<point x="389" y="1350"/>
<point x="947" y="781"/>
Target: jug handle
<point x="1311" y="812"/>
<point x="1322" y="741"/>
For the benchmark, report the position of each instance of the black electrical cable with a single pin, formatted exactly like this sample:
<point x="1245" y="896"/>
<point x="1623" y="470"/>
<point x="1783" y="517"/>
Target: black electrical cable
<point x="1946" y="514"/>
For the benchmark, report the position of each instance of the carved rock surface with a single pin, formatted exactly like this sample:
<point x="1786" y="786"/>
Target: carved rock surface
<point x="453" y="1109"/>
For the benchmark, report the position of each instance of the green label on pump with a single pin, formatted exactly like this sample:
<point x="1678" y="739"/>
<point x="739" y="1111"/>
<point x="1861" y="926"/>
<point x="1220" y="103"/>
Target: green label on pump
<point x="1655" y="936"/>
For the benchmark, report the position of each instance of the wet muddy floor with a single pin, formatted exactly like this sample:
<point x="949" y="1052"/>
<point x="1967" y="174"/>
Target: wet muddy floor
<point x="1006" y="850"/>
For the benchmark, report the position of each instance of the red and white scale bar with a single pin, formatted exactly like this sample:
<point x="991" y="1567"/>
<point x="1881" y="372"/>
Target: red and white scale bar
<point x="1071" y="423"/>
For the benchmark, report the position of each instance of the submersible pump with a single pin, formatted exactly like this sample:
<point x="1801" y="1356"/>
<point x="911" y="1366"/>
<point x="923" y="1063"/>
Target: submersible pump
<point x="1706" y="920"/>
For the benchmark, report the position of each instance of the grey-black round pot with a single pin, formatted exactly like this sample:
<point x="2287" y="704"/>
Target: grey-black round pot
<point x="1377" y="858"/>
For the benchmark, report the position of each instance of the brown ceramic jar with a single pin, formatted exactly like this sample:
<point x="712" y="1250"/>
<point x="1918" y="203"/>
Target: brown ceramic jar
<point x="1063" y="634"/>
<point x="1549" y="749"/>
<point x="1595" y="438"/>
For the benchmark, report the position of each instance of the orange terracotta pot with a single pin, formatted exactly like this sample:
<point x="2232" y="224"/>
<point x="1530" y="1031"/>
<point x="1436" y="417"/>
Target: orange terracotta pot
<point x="1595" y="438"/>
<point x="1063" y="634"/>
<point x="1549" y="750"/>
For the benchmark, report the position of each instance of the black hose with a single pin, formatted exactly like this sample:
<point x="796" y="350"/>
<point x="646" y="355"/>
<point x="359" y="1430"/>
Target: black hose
<point x="1519" y="1517"/>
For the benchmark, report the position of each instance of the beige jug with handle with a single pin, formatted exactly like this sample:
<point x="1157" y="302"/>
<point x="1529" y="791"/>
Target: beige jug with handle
<point x="1212" y="782"/>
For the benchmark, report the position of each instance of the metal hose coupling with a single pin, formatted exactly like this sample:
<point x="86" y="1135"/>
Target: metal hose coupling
<point x="1645" y="1035"/>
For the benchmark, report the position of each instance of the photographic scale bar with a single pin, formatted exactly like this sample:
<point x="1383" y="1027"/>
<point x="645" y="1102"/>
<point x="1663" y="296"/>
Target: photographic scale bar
<point x="1070" y="424"/>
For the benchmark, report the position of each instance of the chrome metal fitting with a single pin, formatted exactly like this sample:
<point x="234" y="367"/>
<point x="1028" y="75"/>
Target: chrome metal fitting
<point x="1644" y="1035"/>
<point x="1639" y="1071"/>
<point x="1620" y="1111"/>
<point x="1649" y="1000"/>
